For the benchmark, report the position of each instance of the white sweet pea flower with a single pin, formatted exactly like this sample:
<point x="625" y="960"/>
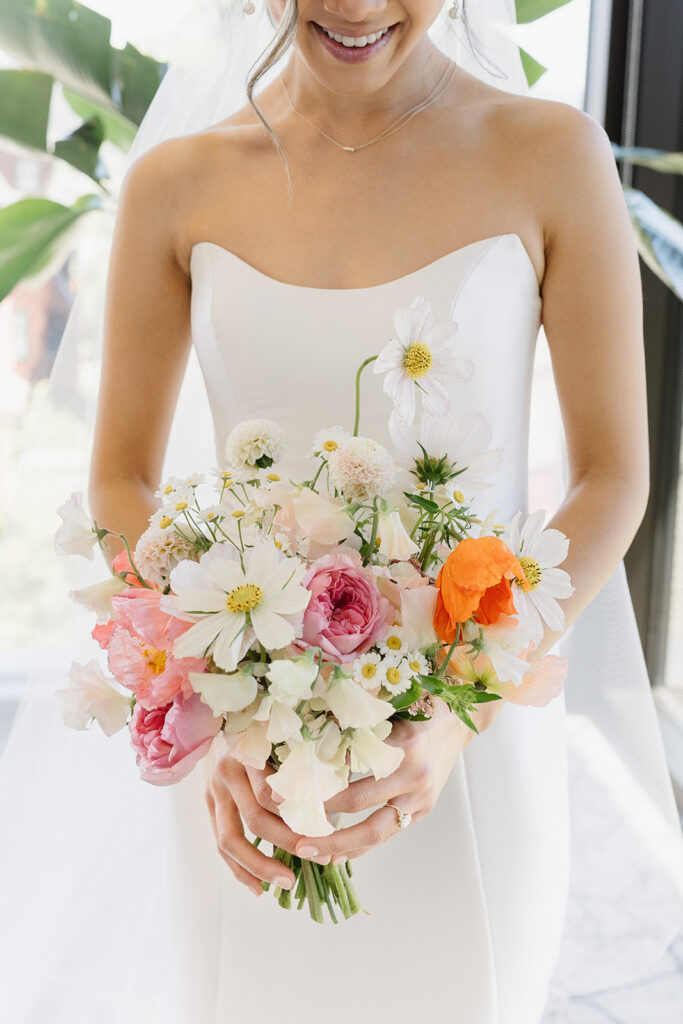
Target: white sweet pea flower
<point x="539" y="551"/>
<point x="305" y="782"/>
<point x="76" y="535"/>
<point x="291" y="679"/>
<point x="412" y="360"/>
<point x="354" y="707"/>
<point x="232" y="607"/>
<point x="320" y="519"/>
<point x="394" y="539"/>
<point x="464" y="438"/>
<point x="503" y="643"/>
<point x="92" y="695"/>
<point x="250" y="747"/>
<point x="417" y="615"/>
<point x="97" y="598"/>
<point x="370" y="754"/>
<point x="224" y="692"/>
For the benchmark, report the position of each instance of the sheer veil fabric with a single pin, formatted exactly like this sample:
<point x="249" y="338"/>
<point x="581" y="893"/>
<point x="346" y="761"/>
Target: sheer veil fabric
<point x="83" y="878"/>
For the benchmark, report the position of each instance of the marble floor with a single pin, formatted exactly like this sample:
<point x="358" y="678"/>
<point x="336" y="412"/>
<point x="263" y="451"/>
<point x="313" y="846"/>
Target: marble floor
<point x="658" y="999"/>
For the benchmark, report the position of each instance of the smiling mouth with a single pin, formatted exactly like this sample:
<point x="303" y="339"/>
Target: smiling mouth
<point x="354" y="47"/>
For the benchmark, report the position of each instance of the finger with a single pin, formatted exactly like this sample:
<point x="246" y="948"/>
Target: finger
<point x="258" y="820"/>
<point x="240" y="873"/>
<point x="231" y="840"/>
<point x="263" y="792"/>
<point x="373" y="830"/>
<point x="366" y="793"/>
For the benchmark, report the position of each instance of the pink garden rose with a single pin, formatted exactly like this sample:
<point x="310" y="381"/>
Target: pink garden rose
<point x="346" y="614"/>
<point x="170" y="740"/>
<point x="139" y="649"/>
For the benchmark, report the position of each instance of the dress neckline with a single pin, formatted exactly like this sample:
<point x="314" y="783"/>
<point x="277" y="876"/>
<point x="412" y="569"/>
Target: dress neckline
<point x="373" y="287"/>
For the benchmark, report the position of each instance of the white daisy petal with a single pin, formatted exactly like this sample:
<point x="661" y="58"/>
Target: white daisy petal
<point x="199" y="637"/>
<point x="390" y="358"/>
<point x="557" y="583"/>
<point x="550" y="548"/>
<point x="271" y="629"/>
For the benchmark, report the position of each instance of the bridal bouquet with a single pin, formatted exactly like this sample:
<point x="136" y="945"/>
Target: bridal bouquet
<point x="300" y="618"/>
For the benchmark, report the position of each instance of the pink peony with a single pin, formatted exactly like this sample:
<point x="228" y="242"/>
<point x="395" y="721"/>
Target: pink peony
<point x="139" y="649"/>
<point x="346" y="614"/>
<point x="170" y="740"/>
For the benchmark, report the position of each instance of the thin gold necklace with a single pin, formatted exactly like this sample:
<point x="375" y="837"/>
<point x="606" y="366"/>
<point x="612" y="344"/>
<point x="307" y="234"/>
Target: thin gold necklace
<point x="403" y="119"/>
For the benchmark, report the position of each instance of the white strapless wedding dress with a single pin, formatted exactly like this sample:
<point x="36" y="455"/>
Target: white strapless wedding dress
<point x="467" y="907"/>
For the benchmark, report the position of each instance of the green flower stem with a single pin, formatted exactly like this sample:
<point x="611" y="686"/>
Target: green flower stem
<point x="319" y="470"/>
<point x="360" y="370"/>
<point x="130" y="559"/>
<point x="345" y="873"/>
<point x="314" y="906"/>
<point x="331" y="871"/>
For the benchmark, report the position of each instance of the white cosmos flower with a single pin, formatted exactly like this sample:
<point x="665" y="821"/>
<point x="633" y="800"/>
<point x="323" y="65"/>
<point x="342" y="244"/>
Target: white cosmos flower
<point x="76" y="535"/>
<point x="254" y="443"/>
<point x="354" y="707"/>
<point x="97" y="598"/>
<point x="231" y="607"/>
<point x="305" y="782"/>
<point x="539" y="551"/>
<point x="394" y="539"/>
<point x="327" y="441"/>
<point x="465" y="439"/>
<point x="370" y="754"/>
<point x="412" y="360"/>
<point x="92" y="695"/>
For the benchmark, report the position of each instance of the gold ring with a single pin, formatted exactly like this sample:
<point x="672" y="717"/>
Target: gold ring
<point x="404" y="819"/>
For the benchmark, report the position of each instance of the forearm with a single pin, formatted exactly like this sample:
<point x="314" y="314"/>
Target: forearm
<point x="600" y="516"/>
<point x="123" y="506"/>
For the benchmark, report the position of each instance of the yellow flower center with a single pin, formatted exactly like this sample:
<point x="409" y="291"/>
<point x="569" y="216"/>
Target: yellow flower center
<point x="168" y="489"/>
<point x="273" y="476"/>
<point x="414" y="666"/>
<point x="533" y="573"/>
<point x="368" y="671"/>
<point x="393" y="642"/>
<point x="244" y="598"/>
<point x="418" y="360"/>
<point x="226" y="476"/>
<point x="156" y="660"/>
<point x="165" y="522"/>
<point x="330" y="446"/>
<point x="393" y="676"/>
<point x="180" y="506"/>
<point x="378" y="541"/>
<point x="238" y="513"/>
<point x="458" y="496"/>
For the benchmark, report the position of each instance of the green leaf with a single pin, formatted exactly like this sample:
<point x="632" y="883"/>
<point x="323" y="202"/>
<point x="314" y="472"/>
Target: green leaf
<point x="532" y="10"/>
<point x="408" y="697"/>
<point x="425" y="503"/>
<point x="81" y="149"/>
<point x="25" y="107"/>
<point x="72" y="43"/>
<point x="659" y="237"/>
<point x="117" y="129"/>
<point x="36" y="237"/>
<point x="655" y="159"/>
<point x="532" y="69"/>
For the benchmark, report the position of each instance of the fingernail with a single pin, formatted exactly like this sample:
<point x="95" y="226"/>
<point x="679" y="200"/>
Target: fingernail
<point x="284" y="883"/>
<point x="307" y="851"/>
<point x="339" y="859"/>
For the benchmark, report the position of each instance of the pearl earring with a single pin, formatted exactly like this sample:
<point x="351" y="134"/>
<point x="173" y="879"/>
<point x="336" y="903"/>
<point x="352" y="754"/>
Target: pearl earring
<point x="454" y="9"/>
<point x="248" y="7"/>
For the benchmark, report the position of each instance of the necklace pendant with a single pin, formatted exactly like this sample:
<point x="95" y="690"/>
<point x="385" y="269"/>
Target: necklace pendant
<point x="349" y="149"/>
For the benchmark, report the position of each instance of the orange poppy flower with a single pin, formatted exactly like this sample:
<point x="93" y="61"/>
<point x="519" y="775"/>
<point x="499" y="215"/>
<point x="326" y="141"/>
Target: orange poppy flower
<point x="474" y="582"/>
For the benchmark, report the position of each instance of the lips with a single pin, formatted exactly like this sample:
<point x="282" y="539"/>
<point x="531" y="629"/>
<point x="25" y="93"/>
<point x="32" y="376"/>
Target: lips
<point x="352" y="54"/>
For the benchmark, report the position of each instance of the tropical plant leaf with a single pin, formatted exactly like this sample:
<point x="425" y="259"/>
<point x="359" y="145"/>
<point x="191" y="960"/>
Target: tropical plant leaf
<point x="532" y="10"/>
<point x="532" y="69"/>
<point x="35" y="237"/>
<point x="72" y="43"/>
<point x="25" y="107"/>
<point x="656" y="159"/>
<point x="117" y="129"/>
<point x="660" y="238"/>
<point x="82" y="149"/>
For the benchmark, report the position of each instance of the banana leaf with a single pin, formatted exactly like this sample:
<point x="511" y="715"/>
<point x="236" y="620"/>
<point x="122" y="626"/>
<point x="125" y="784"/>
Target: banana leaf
<point x="532" y="10"/>
<point x="656" y="159"/>
<point x="72" y="43"/>
<point x="532" y="69"/>
<point x="36" y="238"/>
<point x="117" y="129"/>
<point x="659" y="237"/>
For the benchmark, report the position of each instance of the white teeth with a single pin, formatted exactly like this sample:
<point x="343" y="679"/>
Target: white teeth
<point x="351" y="41"/>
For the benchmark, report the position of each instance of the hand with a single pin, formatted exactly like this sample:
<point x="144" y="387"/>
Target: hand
<point x="431" y="749"/>
<point x="236" y="794"/>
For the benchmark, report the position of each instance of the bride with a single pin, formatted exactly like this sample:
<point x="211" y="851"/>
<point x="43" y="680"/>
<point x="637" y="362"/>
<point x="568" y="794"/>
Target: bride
<point x="278" y="241"/>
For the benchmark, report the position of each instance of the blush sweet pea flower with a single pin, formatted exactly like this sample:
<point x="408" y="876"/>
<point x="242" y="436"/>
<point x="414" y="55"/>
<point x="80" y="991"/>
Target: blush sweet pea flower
<point x="170" y="740"/>
<point x="346" y="614"/>
<point x="91" y="695"/>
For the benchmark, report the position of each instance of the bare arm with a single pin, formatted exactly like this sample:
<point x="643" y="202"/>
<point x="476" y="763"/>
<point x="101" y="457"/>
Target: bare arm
<point x="592" y="314"/>
<point x="146" y="345"/>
